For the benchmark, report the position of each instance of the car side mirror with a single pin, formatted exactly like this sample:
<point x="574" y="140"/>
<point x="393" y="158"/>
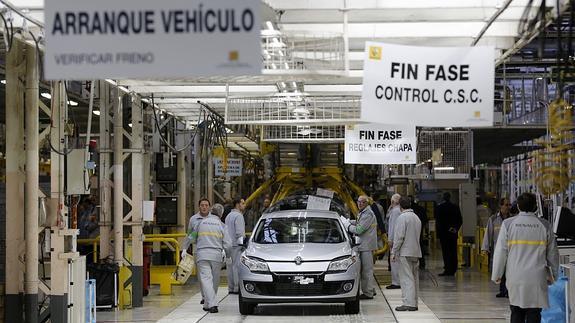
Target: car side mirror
<point x="356" y="241"/>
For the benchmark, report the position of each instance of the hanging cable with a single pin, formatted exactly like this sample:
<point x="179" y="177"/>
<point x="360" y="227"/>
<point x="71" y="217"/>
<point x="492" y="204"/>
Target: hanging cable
<point x="157" y="123"/>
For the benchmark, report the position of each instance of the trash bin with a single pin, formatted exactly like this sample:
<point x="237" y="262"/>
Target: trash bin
<point x="106" y="276"/>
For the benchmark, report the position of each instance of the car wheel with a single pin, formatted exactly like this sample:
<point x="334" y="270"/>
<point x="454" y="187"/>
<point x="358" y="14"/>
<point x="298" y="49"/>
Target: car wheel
<point x="245" y="307"/>
<point x="353" y="306"/>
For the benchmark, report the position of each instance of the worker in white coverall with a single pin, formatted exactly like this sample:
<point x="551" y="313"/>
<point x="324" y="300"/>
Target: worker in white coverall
<point x="392" y="215"/>
<point x="211" y="239"/>
<point x="490" y="238"/>
<point x="204" y="206"/>
<point x="237" y="231"/>
<point x="527" y="252"/>
<point x="406" y="252"/>
<point x="366" y="228"/>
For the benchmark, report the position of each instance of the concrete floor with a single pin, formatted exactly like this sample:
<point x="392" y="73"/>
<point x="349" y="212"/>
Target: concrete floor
<point x="467" y="297"/>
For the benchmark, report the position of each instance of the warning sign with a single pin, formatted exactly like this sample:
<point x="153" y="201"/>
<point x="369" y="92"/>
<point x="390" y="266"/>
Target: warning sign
<point x="233" y="167"/>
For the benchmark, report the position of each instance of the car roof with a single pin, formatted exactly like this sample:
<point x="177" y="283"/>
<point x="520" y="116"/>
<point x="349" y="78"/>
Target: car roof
<point x="301" y="214"/>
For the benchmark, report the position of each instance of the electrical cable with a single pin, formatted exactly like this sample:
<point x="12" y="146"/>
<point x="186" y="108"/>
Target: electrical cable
<point x="157" y="124"/>
<point x="7" y="34"/>
<point x="88" y="133"/>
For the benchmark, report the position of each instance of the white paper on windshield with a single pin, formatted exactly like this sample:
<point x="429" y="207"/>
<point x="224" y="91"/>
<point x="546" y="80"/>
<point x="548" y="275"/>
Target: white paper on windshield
<point x="318" y="203"/>
<point x="325" y="193"/>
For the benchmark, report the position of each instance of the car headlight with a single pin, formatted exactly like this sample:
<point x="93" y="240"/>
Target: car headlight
<point x="255" y="265"/>
<point x="341" y="264"/>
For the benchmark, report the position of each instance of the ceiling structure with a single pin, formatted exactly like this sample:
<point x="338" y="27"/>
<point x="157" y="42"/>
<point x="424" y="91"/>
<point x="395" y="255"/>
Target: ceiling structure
<point x="499" y="23"/>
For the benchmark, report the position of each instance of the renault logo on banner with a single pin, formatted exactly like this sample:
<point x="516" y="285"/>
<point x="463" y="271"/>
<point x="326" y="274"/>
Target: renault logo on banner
<point x="375" y="52"/>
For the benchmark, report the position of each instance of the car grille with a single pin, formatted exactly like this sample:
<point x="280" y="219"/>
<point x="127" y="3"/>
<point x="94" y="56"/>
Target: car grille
<point x="285" y="285"/>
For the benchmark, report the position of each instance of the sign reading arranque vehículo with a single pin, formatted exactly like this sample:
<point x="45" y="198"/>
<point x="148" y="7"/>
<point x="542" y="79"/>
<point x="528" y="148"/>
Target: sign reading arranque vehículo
<point x="428" y="86"/>
<point x="88" y="39"/>
<point x="380" y="144"/>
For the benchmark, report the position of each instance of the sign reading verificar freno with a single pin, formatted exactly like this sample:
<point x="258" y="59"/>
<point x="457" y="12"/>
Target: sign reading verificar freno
<point x="380" y="144"/>
<point x="428" y="86"/>
<point x="88" y="39"/>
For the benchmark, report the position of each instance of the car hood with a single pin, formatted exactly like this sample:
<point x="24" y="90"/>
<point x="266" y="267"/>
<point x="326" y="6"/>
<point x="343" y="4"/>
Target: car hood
<point x="307" y="251"/>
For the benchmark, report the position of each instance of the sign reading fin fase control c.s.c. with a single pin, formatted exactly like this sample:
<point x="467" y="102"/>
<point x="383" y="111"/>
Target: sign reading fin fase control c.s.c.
<point x="374" y="143"/>
<point x="428" y="86"/>
<point x="88" y="39"/>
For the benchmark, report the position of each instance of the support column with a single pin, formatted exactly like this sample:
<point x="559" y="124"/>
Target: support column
<point x="58" y="283"/>
<point x="197" y="172"/>
<point x="31" y="187"/>
<point x="182" y="187"/>
<point x="104" y="172"/>
<point x="14" y="183"/>
<point x="118" y="180"/>
<point x="137" y="198"/>
<point x="210" y="176"/>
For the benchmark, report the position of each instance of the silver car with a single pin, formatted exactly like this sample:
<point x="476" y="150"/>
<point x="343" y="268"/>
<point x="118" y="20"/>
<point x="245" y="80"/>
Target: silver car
<point x="299" y="256"/>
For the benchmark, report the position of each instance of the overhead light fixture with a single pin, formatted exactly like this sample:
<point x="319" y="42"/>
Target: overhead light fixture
<point x="444" y="168"/>
<point x="72" y="103"/>
<point x="46" y="95"/>
<point x="96" y="112"/>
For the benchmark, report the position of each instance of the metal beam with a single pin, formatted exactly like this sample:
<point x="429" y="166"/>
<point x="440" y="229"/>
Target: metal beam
<point x="104" y="171"/>
<point x="58" y="211"/>
<point x="118" y="179"/>
<point x="14" y="182"/>
<point x="31" y="186"/>
<point x="137" y="145"/>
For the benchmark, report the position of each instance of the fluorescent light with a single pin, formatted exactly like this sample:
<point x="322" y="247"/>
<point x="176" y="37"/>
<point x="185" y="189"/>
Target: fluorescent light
<point x="96" y="112"/>
<point x="46" y="95"/>
<point x="444" y="168"/>
<point x="72" y="103"/>
<point x="3" y="81"/>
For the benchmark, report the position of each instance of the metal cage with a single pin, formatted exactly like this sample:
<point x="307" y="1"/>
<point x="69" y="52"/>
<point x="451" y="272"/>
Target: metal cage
<point x="453" y="152"/>
<point x="293" y="108"/>
<point x="304" y="134"/>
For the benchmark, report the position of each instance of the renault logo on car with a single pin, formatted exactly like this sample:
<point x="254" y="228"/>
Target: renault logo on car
<point x="297" y="260"/>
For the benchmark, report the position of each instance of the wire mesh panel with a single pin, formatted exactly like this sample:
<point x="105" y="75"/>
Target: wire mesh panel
<point x="302" y="51"/>
<point x="304" y="134"/>
<point x="450" y="151"/>
<point x="290" y="109"/>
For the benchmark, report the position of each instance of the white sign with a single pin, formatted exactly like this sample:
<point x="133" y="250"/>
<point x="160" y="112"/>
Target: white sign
<point x="380" y="144"/>
<point x="318" y="203"/>
<point x="324" y="192"/>
<point x="234" y="167"/>
<point x="88" y="39"/>
<point x="428" y="86"/>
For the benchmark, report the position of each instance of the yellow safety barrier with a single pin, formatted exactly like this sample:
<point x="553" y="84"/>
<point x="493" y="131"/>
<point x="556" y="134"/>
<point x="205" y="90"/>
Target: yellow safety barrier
<point x="482" y="258"/>
<point x="159" y="275"/>
<point x="460" y="246"/>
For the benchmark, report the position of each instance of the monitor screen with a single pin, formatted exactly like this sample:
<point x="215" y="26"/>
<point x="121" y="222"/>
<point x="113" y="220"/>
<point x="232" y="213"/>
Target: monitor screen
<point x="564" y="223"/>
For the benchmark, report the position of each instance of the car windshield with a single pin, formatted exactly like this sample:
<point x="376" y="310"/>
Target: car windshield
<point x="299" y="230"/>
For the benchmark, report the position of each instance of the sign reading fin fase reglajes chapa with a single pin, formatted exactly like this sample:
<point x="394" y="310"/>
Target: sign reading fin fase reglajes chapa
<point x="428" y="86"/>
<point x="380" y="144"/>
<point x="88" y="39"/>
